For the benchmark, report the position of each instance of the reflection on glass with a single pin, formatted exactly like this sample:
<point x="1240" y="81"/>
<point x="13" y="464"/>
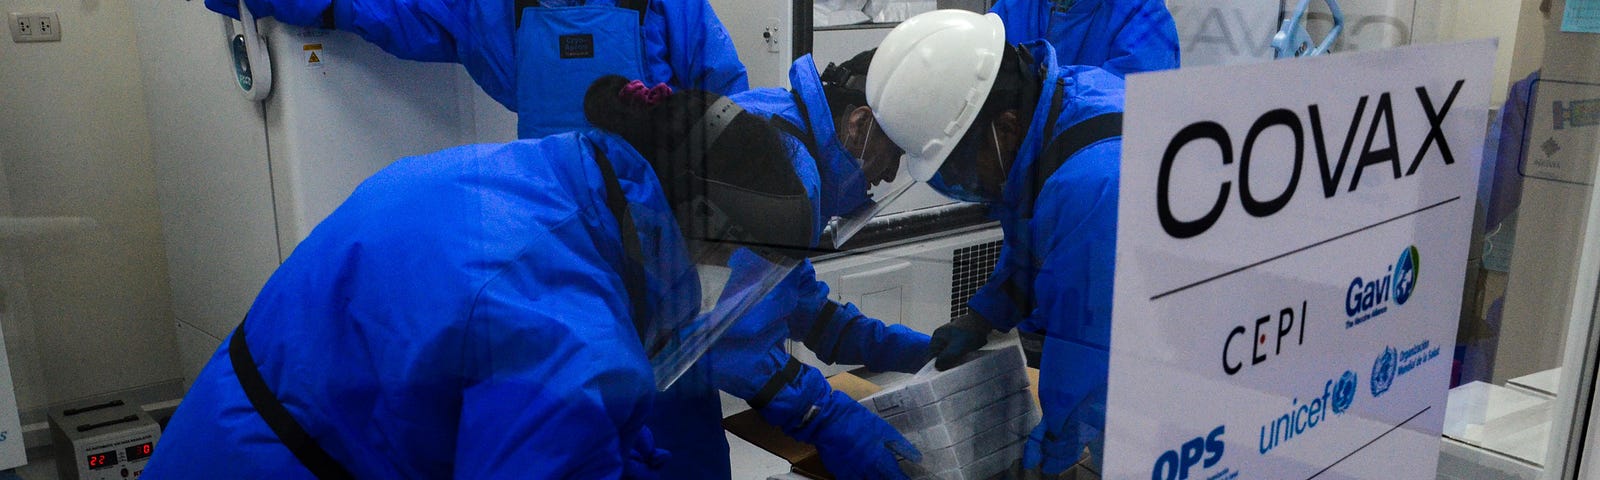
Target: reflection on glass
<point x="1512" y="400"/>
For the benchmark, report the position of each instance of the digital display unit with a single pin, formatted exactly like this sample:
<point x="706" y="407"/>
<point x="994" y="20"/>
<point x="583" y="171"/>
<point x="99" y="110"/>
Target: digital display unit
<point x="140" y="451"/>
<point x="102" y="460"/>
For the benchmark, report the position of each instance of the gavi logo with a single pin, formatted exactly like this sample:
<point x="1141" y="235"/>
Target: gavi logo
<point x="1367" y="298"/>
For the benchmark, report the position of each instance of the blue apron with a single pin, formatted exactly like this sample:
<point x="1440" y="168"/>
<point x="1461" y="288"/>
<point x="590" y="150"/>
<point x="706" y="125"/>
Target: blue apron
<point x="562" y="47"/>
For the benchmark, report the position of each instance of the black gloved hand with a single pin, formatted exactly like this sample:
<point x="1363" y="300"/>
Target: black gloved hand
<point x="964" y="335"/>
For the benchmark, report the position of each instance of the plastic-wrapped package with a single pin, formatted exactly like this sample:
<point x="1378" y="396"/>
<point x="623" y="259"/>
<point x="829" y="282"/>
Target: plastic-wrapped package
<point x="949" y="433"/>
<point x="826" y="13"/>
<point x="968" y="421"/>
<point x="970" y="451"/>
<point x="930" y="386"/>
<point x="889" y="11"/>
<point x="957" y="405"/>
<point x="984" y="468"/>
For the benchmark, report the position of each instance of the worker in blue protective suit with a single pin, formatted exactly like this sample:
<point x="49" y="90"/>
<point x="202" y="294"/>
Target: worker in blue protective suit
<point x="494" y="311"/>
<point x="750" y="363"/>
<point x="536" y="57"/>
<point x="1040" y="144"/>
<point x="832" y="123"/>
<point x="1120" y="36"/>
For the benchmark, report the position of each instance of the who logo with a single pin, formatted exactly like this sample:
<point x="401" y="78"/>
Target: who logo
<point x="1384" y="370"/>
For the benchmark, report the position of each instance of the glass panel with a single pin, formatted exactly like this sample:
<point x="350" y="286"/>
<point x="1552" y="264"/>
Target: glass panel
<point x="1527" y="309"/>
<point x="1525" y="321"/>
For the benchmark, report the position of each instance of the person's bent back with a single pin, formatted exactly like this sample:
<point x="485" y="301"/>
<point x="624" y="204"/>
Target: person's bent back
<point x="462" y="314"/>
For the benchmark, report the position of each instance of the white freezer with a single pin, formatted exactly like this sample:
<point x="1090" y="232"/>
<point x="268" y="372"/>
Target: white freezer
<point x="241" y="183"/>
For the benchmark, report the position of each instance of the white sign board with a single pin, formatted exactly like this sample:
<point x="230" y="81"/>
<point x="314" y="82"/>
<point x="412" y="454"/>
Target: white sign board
<point x="1292" y="240"/>
<point x="1227" y="32"/>
<point x="12" y="451"/>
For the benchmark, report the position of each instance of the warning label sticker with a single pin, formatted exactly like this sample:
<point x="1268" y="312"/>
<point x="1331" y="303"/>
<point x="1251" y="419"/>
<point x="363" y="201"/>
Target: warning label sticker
<point x="313" y="55"/>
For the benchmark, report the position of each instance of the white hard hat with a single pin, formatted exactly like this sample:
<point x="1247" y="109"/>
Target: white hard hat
<point x="929" y="79"/>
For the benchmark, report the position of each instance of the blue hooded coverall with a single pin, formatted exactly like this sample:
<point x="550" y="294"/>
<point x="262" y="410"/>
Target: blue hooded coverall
<point x="837" y="333"/>
<point x="1121" y="36"/>
<point x="751" y="357"/>
<point x="537" y="62"/>
<point x="683" y="44"/>
<point x="461" y="315"/>
<point x="1055" y="267"/>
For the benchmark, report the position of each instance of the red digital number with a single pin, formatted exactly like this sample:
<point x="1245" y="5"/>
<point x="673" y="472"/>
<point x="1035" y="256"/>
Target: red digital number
<point x="97" y="460"/>
<point x="145" y="449"/>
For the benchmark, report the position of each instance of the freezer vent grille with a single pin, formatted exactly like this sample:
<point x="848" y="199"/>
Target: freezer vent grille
<point x="970" y="268"/>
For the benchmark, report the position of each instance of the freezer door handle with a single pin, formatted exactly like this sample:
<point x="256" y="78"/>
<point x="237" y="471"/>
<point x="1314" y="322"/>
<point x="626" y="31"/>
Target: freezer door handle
<point x="252" y="66"/>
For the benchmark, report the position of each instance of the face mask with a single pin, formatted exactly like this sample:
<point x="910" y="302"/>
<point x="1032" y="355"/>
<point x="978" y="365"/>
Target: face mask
<point x="959" y="179"/>
<point x="999" y="157"/>
<point x="862" y="158"/>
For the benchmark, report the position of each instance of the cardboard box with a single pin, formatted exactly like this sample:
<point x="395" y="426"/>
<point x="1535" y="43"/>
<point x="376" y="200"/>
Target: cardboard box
<point x="1000" y="394"/>
<point x="749" y="425"/>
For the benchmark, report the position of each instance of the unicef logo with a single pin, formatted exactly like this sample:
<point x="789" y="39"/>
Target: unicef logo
<point x="1406" y="270"/>
<point x="1383" y="371"/>
<point x="1344" y="392"/>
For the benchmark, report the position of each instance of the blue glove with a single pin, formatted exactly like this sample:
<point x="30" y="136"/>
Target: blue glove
<point x="762" y="326"/>
<point x="1056" y="445"/>
<point x="964" y="335"/>
<point x="643" y="460"/>
<point x="899" y="349"/>
<point x="854" y="443"/>
<point x="293" y="12"/>
<point x="854" y="339"/>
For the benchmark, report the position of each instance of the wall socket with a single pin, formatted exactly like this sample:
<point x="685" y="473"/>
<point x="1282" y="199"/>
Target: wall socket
<point x="35" y="27"/>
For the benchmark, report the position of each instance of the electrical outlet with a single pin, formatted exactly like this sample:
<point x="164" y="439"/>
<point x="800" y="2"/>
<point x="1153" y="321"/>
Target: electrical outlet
<point x="772" y="35"/>
<point x="21" y="27"/>
<point x="47" y="27"/>
<point x="35" y="27"/>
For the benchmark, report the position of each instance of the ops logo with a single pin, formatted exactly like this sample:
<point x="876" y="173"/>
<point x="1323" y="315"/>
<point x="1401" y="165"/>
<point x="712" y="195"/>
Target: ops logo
<point x="1204" y="451"/>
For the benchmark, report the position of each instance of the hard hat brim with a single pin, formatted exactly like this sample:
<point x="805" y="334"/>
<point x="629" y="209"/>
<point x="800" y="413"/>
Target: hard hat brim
<point x="922" y="169"/>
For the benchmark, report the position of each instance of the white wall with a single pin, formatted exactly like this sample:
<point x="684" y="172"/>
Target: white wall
<point x="76" y="144"/>
<point x="15" y="311"/>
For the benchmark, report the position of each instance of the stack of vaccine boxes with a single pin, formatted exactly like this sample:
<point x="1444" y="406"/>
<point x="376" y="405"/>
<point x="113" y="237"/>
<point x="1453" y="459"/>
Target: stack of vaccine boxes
<point x="969" y="422"/>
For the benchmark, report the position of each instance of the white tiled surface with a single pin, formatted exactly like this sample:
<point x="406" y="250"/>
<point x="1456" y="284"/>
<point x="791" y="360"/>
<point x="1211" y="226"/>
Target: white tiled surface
<point x="1547" y="383"/>
<point x="1490" y="425"/>
<point x="42" y="469"/>
<point x="751" y="462"/>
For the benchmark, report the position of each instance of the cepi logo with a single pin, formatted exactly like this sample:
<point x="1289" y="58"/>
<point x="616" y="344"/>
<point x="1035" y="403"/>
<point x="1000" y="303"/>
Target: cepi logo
<point x="1367" y="299"/>
<point x="1337" y="395"/>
